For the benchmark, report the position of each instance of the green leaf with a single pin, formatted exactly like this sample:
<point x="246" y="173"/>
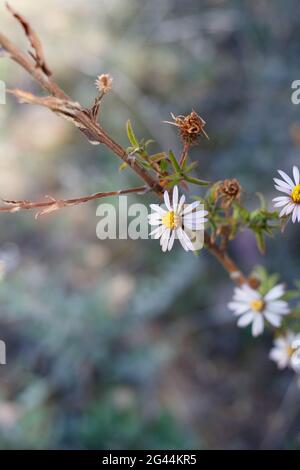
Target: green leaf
<point x="163" y="165"/>
<point x="149" y="142"/>
<point x="197" y="181"/>
<point x="131" y="136"/>
<point x="260" y="241"/>
<point x="263" y="204"/>
<point x="189" y="168"/>
<point x="157" y="157"/>
<point x="123" y="166"/>
<point x="174" y="162"/>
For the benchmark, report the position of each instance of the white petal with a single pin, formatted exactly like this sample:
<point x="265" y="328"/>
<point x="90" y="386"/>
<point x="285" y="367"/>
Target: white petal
<point x="278" y="306"/>
<point x="252" y="292"/>
<point x="171" y="241"/>
<point x="175" y="198"/>
<point x="281" y="198"/>
<point x="273" y="318"/>
<point x="258" y="325"/>
<point x="180" y="205"/>
<point x="181" y="239"/>
<point x="199" y="215"/>
<point x="164" y="241"/>
<point x="244" y="295"/>
<point x="283" y="184"/>
<point x="275" y="292"/>
<point x="154" y="220"/>
<point x="295" y="360"/>
<point x="294" y="215"/>
<point x="184" y="239"/>
<point x="281" y="203"/>
<point x="245" y="319"/>
<point x="280" y="356"/>
<point x="187" y="241"/>
<point x="296" y="341"/>
<point x="154" y="216"/>
<point x="167" y="200"/>
<point x="283" y="190"/>
<point x="287" y="209"/>
<point x="190" y="207"/>
<point x="194" y="226"/>
<point x="238" y="307"/>
<point x="286" y="177"/>
<point x="157" y="233"/>
<point x="157" y="208"/>
<point x="296" y="175"/>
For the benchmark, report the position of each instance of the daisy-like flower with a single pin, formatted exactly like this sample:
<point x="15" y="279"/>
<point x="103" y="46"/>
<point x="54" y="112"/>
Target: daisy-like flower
<point x="285" y="351"/>
<point x="176" y="221"/>
<point x="252" y="307"/>
<point x="290" y="202"/>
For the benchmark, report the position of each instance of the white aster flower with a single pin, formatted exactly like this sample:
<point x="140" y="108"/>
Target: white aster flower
<point x="291" y="202"/>
<point x="176" y="221"/>
<point x="295" y="358"/>
<point x="285" y="351"/>
<point x="252" y="307"/>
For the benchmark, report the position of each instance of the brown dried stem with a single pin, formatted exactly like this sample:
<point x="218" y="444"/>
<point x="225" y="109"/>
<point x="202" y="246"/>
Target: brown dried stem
<point x="45" y="207"/>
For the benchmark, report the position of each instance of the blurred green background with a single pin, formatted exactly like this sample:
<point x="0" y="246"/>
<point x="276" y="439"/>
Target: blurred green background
<point x="113" y="345"/>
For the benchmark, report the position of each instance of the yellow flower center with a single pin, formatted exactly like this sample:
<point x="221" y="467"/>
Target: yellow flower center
<point x="296" y="194"/>
<point x="257" y="305"/>
<point x="170" y="220"/>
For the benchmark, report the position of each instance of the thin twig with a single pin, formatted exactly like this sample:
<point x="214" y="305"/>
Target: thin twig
<point x="184" y="154"/>
<point x="53" y="204"/>
<point x="35" y="43"/>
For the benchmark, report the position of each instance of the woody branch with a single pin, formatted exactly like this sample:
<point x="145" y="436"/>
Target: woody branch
<point x="85" y="120"/>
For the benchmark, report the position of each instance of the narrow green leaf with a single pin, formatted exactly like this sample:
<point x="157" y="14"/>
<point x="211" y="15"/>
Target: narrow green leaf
<point x="190" y="167"/>
<point x="157" y="157"/>
<point x="131" y="136"/>
<point x="149" y="142"/>
<point x="174" y="162"/>
<point x="197" y="181"/>
<point x="163" y="165"/>
<point x="260" y="242"/>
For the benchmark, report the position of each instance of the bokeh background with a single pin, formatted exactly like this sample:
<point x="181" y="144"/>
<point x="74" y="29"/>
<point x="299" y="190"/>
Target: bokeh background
<point x="113" y="345"/>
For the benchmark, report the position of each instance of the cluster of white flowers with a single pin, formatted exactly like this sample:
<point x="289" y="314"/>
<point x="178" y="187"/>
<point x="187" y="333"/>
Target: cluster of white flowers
<point x="249" y="305"/>
<point x="253" y="308"/>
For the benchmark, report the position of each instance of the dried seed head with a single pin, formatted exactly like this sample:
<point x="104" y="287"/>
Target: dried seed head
<point x="229" y="191"/>
<point x="190" y="127"/>
<point x="104" y="83"/>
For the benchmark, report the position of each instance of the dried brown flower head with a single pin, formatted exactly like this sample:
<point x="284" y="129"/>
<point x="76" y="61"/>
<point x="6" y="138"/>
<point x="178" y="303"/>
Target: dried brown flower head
<point x="104" y="83"/>
<point x="190" y="127"/>
<point x="229" y="191"/>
